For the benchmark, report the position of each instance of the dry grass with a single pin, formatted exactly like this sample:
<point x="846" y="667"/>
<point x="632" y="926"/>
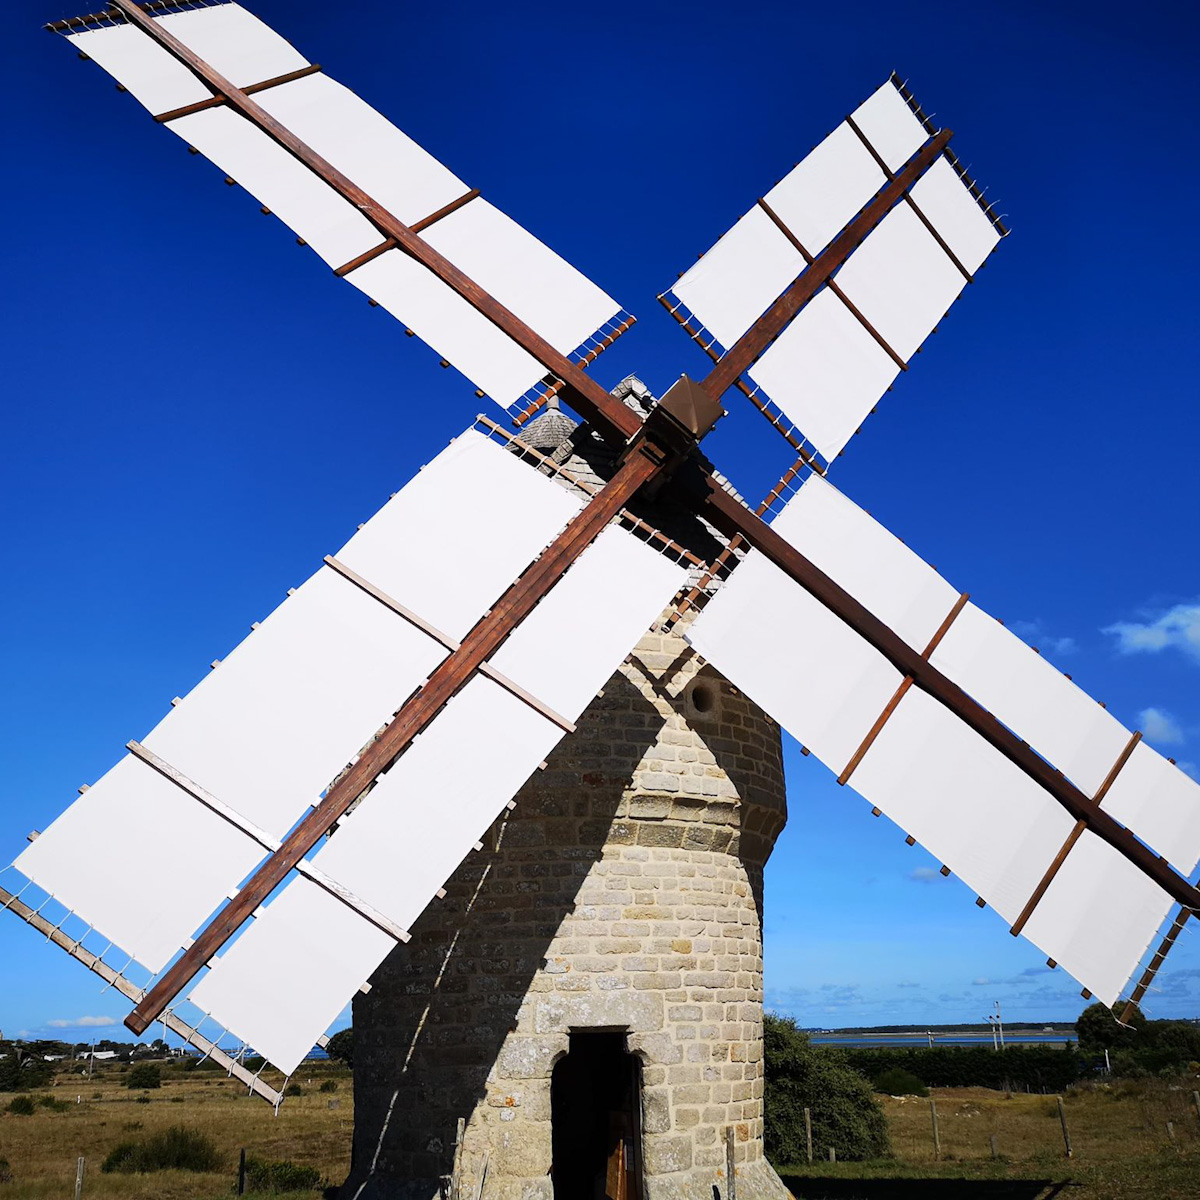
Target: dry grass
<point x="1119" y="1134"/>
<point x="1122" y="1150"/>
<point x="42" y="1150"/>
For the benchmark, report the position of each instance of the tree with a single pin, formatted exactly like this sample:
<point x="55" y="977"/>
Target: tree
<point x="341" y="1046"/>
<point x="1097" y="1029"/>
<point x="144" y="1075"/>
<point x="845" y="1113"/>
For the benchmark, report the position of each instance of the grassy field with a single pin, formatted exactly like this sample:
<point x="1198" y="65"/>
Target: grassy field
<point x="42" y="1149"/>
<point x="1122" y="1150"/>
<point x="1119" y="1135"/>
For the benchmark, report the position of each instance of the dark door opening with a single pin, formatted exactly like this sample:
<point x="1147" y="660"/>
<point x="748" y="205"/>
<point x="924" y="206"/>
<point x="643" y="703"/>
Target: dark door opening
<point x="596" y="1115"/>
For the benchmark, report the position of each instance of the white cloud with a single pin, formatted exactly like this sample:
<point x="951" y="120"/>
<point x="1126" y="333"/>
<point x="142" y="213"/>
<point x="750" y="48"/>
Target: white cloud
<point x="1178" y="627"/>
<point x="1159" y="726"/>
<point x="81" y="1023"/>
<point x="982" y="981"/>
<point x="1035" y="634"/>
<point x="924" y="875"/>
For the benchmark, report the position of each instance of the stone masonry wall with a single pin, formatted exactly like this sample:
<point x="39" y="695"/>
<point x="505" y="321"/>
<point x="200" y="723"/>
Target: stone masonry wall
<point x="623" y="892"/>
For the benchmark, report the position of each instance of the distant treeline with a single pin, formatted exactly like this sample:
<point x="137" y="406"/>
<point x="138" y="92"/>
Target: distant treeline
<point x="1015" y="1068"/>
<point x="977" y="1027"/>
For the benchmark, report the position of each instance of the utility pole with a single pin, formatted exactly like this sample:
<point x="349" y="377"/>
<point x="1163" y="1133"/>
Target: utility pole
<point x="991" y="1020"/>
<point x="999" y="1024"/>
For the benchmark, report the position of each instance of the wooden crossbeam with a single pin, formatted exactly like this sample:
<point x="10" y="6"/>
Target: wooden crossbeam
<point x="747" y="349"/>
<point x="641" y="466"/>
<point x="1072" y="837"/>
<point x="899" y="694"/>
<point x="731" y="517"/>
<point x="612" y="418"/>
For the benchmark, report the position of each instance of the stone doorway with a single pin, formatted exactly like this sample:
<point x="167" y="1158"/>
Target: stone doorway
<point x="596" y="1119"/>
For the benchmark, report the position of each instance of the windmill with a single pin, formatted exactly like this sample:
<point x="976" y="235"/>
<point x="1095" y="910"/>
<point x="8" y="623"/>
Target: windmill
<point x="811" y="305"/>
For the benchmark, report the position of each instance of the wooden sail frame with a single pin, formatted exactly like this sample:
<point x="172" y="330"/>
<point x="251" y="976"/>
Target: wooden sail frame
<point x="651" y="451"/>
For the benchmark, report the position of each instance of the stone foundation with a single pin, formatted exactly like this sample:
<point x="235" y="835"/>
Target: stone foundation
<point x="623" y="893"/>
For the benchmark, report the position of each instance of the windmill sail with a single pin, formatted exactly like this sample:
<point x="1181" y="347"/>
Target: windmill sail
<point x="1075" y="896"/>
<point x="829" y="366"/>
<point x="244" y="755"/>
<point x="397" y="175"/>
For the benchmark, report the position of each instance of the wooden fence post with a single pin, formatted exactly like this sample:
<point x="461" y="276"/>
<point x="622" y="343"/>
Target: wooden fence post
<point x="241" y="1184"/>
<point x="79" y="1177"/>
<point x="808" y="1130"/>
<point x="995" y="1147"/>
<point x="1196" y="1102"/>
<point x="832" y="1155"/>
<point x="456" y="1170"/>
<point x="1171" y="1134"/>
<point x="1062" y="1116"/>
<point x="730" y="1171"/>
<point x="937" y="1140"/>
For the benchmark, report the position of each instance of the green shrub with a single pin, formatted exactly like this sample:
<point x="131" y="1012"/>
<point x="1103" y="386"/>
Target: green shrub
<point x="175" y="1149"/>
<point x="22" y="1106"/>
<point x="1040" y="1068"/>
<point x="144" y="1075"/>
<point x="280" y="1176"/>
<point x="896" y="1081"/>
<point x="142" y="1099"/>
<point x="341" y="1046"/>
<point x="330" y="1085"/>
<point x="6" y="1175"/>
<point x="17" y="1074"/>
<point x="293" y="1089"/>
<point x="845" y="1113"/>
<point x="53" y="1103"/>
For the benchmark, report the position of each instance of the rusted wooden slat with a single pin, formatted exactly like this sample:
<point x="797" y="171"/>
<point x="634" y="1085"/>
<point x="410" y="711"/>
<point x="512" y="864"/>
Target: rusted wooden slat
<point x="941" y="241"/>
<point x="1076" y="833"/>
<point x="513" y="607"/>
<point x="832" y="284"/>
<point x="250" y="90"/>
<point x="612" y="419"/>
<point x="898" y="695"/>
<point x="746" y="350"/>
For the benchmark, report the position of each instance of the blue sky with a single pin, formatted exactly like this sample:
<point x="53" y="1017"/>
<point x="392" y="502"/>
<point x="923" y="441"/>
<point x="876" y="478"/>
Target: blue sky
<point x="195" y="412"/>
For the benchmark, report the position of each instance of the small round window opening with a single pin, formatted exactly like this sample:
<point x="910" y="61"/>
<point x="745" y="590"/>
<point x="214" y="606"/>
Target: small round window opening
<point x="704" y="697"/>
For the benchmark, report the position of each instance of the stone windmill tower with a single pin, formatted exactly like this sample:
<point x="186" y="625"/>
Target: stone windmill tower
<point x="587" y="991"/>
<point x="591" y="988"/>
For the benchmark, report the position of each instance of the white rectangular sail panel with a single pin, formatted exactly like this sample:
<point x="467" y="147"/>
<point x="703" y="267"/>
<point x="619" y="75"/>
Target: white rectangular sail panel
<point x="141" y="861"/>
<point x="443" y="320"/>
<point x="819" y="195"/>
<point x="364" y="145"/>
<point x="867" y="560"/>
<point x="449" y="544"/>
<point x="1157" y="800"/>
<point x="523" y="274"/>
<point x="964" y="801"/>
<point x="1032" y="697"/>
<point x="596" y="612"/>
<point x="1098" y="916"/>
<point x="808" y="669"/>
<point x="890" y="125"/>
<point x="333" y="227"/>
<point x="235" y="42"/>
<point x="422" y="818"/>
<point x="284" y="981"/>
<point x="267" y="731"/>
<point x="740" y="277"/>
<point x="826" y="372"/>
<point x="901" y="280"/>
<point x="948" y="205"/>
<point x="155" y="79"/>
